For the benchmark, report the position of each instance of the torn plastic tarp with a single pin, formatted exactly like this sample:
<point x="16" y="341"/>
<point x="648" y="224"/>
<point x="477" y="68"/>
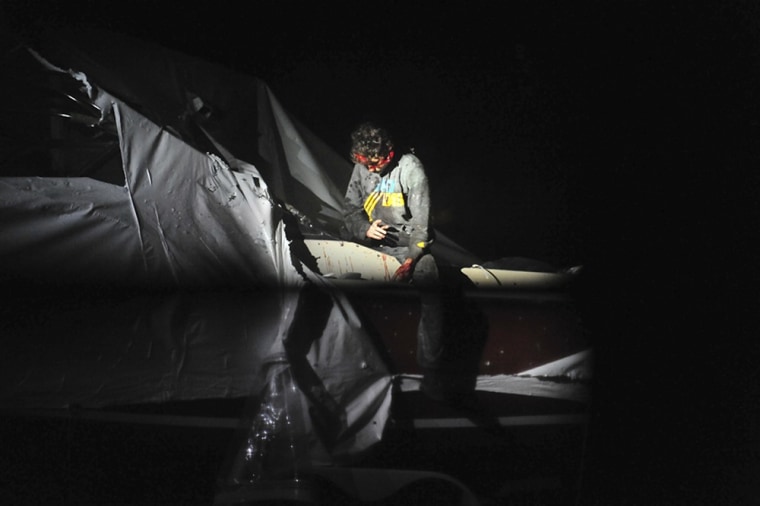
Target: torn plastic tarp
<point x="211" y="108"/>
<point x="184" y="224"/>
<point x="194" y="214"/>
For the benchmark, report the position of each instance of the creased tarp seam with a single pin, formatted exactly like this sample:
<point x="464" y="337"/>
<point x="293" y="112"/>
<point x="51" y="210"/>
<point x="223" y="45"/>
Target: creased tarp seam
<point x="288" y="130"/>
<point x="79" y="76"/>
<point x="130" y="195"/>
<point x="165" y="243"/>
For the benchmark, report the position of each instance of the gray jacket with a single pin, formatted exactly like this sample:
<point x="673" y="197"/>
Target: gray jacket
<point x="399" y="196"/>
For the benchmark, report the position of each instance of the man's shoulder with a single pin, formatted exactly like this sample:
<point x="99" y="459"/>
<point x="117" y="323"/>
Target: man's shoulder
<point x="358" y="170"/>
<point x="410" y="161"/>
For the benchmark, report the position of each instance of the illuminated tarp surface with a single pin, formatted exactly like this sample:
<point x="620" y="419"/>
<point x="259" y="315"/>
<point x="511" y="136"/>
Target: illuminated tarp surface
<point x="178" y="283"/>
<point x="153" y="240"/>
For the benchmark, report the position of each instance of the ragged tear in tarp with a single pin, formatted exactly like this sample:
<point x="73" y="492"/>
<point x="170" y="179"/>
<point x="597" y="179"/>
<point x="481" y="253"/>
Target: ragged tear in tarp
<point x="179" y="285"/>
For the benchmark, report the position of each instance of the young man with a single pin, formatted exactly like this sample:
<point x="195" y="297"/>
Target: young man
<point x="387" y="206"/>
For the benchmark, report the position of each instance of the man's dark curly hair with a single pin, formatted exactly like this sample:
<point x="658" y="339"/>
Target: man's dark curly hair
<point x="371" y="141"/>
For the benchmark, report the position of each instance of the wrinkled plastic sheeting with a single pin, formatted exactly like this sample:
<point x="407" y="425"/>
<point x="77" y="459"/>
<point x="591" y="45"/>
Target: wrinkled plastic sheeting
<point x="130" y="347"/>
<point x="277" y="441"/>
<point x="61" y="229"/>
<point x="338" y="369"/>
<point x="68" y="342"/>
<point x="122" y="347"/>
<point x="305" y="420"/>
<point x="295" y="150"/>
<point x="184" y="220"/>
<point x="242" y="116"/>
<point x="280" y="451"/>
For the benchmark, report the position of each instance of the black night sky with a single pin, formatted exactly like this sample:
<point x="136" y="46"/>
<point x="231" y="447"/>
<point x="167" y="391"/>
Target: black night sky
<point x="617" y="135"/>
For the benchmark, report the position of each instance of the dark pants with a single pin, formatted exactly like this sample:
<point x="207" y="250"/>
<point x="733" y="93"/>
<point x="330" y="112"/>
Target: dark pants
<point x="425" y="279"/>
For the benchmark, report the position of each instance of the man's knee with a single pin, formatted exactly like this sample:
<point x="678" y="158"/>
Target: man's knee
<point x="426" y="271"/>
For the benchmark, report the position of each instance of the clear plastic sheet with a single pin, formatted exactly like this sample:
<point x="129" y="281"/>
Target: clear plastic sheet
<point x="277" y="443"/>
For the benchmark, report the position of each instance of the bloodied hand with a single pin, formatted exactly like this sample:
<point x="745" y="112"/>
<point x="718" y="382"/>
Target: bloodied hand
<point x="404" y="272"/>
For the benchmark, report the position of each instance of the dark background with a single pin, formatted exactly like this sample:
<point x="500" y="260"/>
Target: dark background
<point x="541" y="124"/>
<point x="618" y="135"/>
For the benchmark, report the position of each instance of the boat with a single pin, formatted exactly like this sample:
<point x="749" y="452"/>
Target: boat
<point x="187" y="326"/>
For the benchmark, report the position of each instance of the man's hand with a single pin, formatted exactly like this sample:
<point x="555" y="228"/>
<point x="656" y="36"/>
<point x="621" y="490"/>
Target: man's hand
<point x="377" y="230"/>
<point x="404" y="272"/>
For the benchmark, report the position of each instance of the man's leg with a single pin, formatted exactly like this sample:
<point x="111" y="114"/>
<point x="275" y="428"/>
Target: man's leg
<point x="430" y="349"/>
<point x="431" y="353"/>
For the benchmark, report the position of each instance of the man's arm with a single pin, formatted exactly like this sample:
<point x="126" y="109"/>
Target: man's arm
<point x="354" y="216"/>
<point x="418" y="202"/>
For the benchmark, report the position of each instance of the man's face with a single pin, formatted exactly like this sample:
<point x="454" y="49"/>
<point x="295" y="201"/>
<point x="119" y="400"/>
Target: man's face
<point x="375" y="163"/>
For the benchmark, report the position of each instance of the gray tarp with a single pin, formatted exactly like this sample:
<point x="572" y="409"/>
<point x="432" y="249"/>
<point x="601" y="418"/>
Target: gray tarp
<point x="161" y="252"/>
<point x="205" y="170"/>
